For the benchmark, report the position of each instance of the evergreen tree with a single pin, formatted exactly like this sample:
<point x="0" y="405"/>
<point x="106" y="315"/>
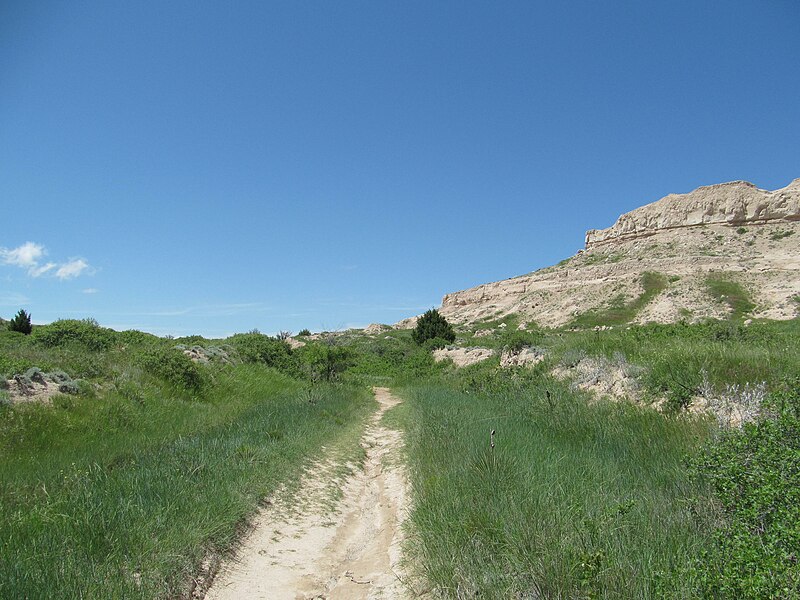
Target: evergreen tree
<point x="433" y="325"/>
<point x="21" y="322"/>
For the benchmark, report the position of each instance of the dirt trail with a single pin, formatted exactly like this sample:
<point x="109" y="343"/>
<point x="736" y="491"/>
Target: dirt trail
<point x="350" y="551"/>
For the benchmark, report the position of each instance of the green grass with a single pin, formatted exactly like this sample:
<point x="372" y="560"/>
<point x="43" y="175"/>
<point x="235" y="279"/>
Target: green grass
<point x="577" y="500"/>
<point x="121" y="496"/>
<point x="678" y="356"/>
<point x="619" y="312"/>
<point x="723" y="288"/>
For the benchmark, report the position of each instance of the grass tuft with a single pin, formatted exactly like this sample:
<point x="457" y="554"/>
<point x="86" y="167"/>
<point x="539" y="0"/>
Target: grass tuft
<point x="728" y="291"/>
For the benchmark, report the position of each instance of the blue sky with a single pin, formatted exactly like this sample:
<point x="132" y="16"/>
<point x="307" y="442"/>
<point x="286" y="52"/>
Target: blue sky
<point x="214" y="167"/>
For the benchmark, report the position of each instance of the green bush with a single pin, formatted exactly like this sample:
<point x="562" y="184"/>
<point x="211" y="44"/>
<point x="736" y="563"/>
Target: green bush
<point x="256" y="347"/>
<point x="133" y="337"/>
<point x="433" y="325"/>
<point x="514" y="341"/>
<point x="435" y="343"/>
<point x="304" y="333"/>
<point x="326" y="361"/>
<point x="755" y="475"/>
<point x="174" y="367"/>
<point x="86" y="333"/>
<point x="21" y="323"/>
<point x="779" y="235"/>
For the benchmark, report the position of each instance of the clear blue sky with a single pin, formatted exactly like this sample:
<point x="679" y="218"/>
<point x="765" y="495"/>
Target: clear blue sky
<point x="213" y="167"/>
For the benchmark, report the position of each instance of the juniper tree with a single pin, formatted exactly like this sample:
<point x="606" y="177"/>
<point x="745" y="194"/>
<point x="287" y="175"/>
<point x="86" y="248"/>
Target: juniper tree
<point x="21" y="322"/>
<point x="433" y="325"/>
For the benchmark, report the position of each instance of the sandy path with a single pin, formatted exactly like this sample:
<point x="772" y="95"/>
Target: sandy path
<point x="312" y="551"/>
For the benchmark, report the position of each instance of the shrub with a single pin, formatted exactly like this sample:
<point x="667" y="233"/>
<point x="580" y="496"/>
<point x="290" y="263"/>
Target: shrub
<point x="326" y="361"/>
<point x="304" y="333"/>
<point x="69" y="387"/>
<point x="256" y="347"/>
<point x="779" y="235"/>
<point x="134" y="337"/>
<point x="21" y="323"/>
<point x="515" y="341"/>
<point x="432" y="325"/>
<point x="86" y="333"/>
<point x="754" y="476"/>
<point x="435" y="343"/>
<point x="174" y="367"/>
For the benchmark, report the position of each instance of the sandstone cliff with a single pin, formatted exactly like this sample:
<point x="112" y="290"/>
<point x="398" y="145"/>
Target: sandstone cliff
<point x="734" y="203"/>
<point x="732" y="230"/>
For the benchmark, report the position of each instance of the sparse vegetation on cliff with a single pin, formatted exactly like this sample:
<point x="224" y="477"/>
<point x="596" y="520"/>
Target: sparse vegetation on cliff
<point x="727" y="290"/>
<point x="620" y="312"/>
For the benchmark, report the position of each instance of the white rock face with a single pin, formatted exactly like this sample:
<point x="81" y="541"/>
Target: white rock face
<point x="523" y="358"/>
<point x="376" y="328"/>
<point x="734" y="203"/>
<point x="736" y="230"/>
<point x="463" y="357"/>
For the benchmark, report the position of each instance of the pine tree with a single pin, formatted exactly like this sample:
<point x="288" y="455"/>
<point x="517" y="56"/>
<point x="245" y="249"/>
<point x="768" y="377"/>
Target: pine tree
<point x="21" y="322"/>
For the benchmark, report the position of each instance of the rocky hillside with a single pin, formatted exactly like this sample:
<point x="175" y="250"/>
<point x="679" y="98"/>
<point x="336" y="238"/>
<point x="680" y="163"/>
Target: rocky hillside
<point x="721" y="249"/>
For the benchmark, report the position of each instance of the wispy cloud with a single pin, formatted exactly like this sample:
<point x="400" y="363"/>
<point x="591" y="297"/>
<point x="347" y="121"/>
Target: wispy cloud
<point x="41" y="269"/>
<point x="90" y="291"/>
<point x="29" y="255"/>
<point x="72" y="269"/>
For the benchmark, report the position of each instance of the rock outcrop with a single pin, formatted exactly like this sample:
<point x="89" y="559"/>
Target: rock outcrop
<point x="734" y="203"/>
<point x="733" y="230"/>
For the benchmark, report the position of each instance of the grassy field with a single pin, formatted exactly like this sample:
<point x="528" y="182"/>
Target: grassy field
<point x="598" y="499"/>
<point x="122" y="492"/>
<point x="576" y="500"/>
<point x="123" y="488"/>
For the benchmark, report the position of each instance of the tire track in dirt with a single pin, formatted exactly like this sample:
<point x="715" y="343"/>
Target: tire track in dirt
<point x="310" y="551"/>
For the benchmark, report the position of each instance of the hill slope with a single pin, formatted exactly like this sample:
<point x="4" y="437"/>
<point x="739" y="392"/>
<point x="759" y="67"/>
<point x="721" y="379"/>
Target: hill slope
<point x="721" y="250"/>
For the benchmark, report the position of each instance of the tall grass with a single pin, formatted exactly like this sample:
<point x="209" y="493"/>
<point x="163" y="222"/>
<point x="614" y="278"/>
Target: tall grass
<point x="678" y="357"/>
<point x="577" y="499"/>
<point x="122" y="496"/>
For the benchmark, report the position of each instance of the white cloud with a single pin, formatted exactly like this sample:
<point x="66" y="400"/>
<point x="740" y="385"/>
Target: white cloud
<point x="90" y="291"/>
<point x="28" y="256"/>
<point x="72" y="269"/>
<point x="41" y="270"/>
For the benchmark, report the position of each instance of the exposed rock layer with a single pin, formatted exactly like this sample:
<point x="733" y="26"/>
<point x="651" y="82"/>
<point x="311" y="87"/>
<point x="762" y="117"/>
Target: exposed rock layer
<point x="734" y="203"/>
<point x="733" y="230"/>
